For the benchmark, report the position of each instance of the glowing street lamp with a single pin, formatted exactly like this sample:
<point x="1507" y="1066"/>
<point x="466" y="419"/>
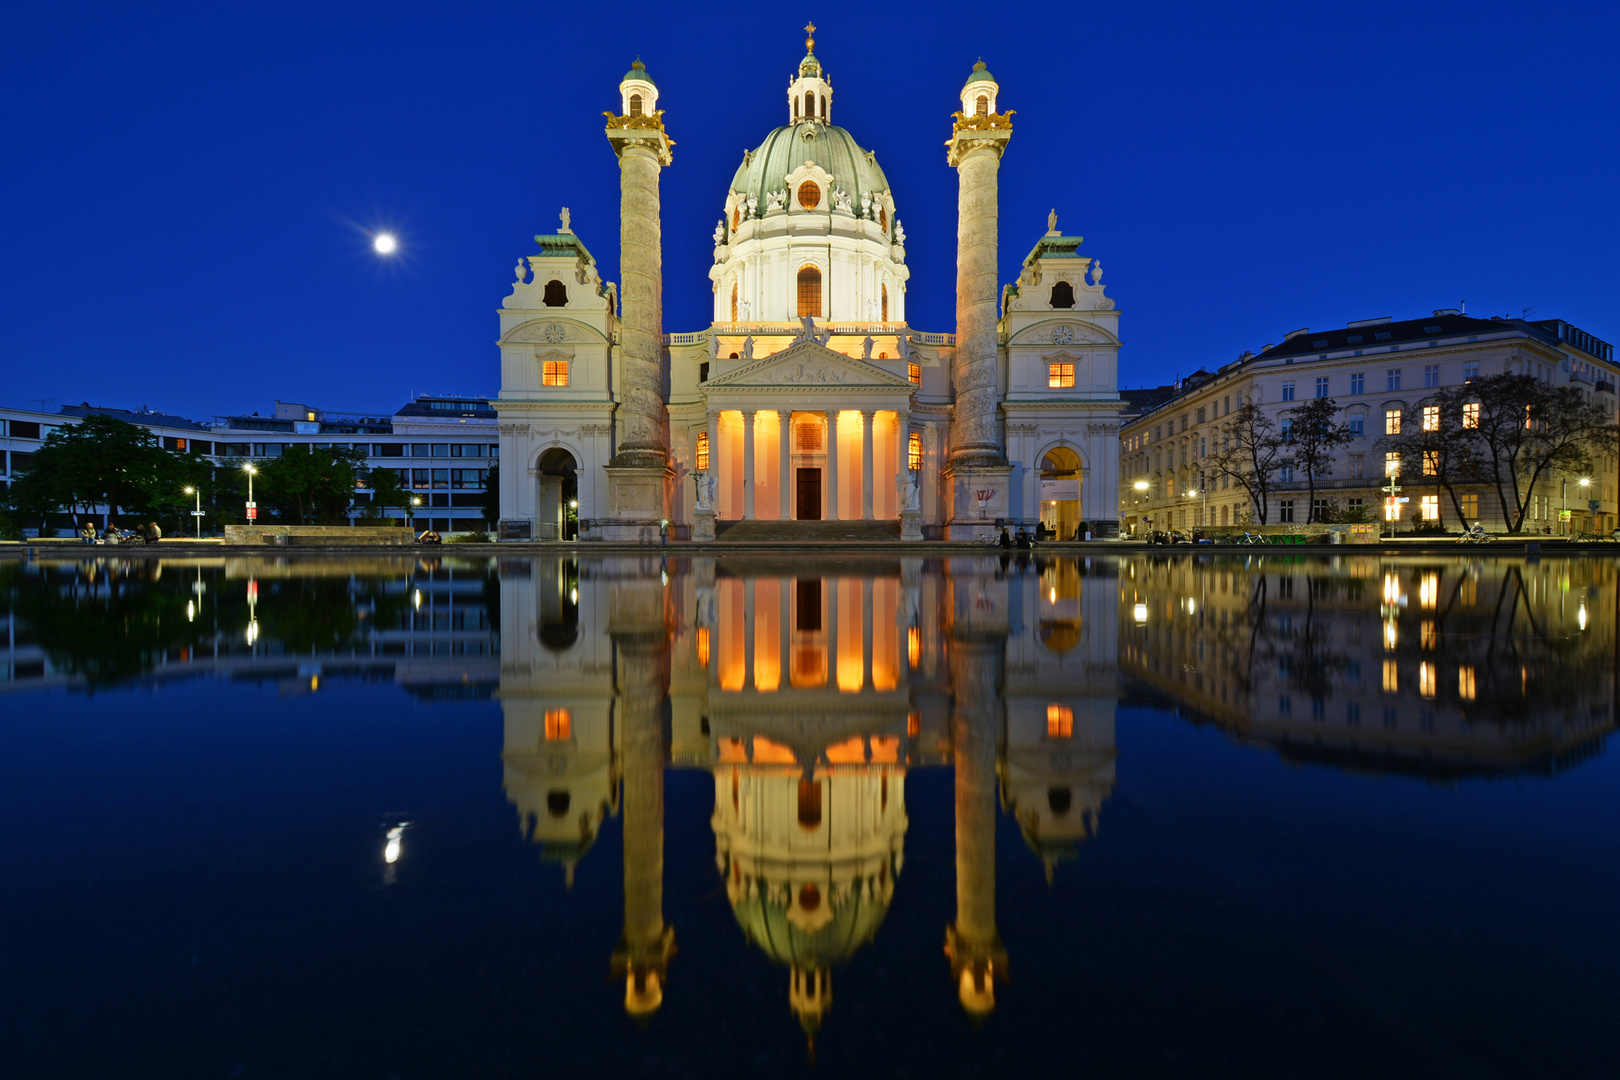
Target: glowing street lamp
<point x="197" y="513"/>
<point x="416" y="500"/>
<point x="253" y="507"/>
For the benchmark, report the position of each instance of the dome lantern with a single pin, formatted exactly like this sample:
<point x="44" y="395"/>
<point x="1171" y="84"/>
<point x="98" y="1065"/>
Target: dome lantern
<point x="979" y="92"/>
<point x="638" y="96"/>
<point x="810" y="94"/>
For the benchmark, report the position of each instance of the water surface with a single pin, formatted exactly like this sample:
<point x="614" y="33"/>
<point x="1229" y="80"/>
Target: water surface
<point x="1145" y="816"/>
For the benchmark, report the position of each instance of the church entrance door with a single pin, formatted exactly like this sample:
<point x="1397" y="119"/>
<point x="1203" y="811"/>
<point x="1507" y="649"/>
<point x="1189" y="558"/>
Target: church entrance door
<point x="809" y="502"/>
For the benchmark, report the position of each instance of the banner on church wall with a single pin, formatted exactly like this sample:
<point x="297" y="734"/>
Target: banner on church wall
<point x="1059" y="488"/>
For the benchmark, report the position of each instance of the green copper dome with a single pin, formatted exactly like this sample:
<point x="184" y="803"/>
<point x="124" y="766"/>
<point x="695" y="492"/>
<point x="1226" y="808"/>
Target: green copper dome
<point x="637" y="71"/>
<point x="854" y="923"/>
<point x="854" y="170"/>
<point x="979" y="74"/>
<point x="809" y="65"/>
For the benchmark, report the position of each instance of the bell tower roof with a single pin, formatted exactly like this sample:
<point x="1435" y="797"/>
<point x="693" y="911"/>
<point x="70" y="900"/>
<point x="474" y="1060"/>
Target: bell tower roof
<point x="809" y="92"/>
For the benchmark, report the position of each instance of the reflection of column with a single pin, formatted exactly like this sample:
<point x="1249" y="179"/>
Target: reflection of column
<point x="784" y="501"/>
<point x="973" y="943"/>
<point x="748" y="634"/>
<point x="866" y="633"/>
<point x="832" y="464"/>
<point x="867" y="416"/>
<point x="748" y="464"/>
<point x="643" y="952"/>
<point x="783" y="630"/>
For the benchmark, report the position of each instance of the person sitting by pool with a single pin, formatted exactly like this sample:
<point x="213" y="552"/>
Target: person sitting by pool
<point x="430" y="537"/>
<point x="88" y="533"/>
<point x="1006" y="540"/>
<point x="1023" y="540"/>
<point x="153" y="533"/>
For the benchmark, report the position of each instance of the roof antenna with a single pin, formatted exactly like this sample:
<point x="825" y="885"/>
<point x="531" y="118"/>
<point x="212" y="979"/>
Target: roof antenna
<point x="1525" y="314"/>
<point x="1465" y="307"/>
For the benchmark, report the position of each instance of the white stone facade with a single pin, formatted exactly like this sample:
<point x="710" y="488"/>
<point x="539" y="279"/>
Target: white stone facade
<point x="855" y="417"/>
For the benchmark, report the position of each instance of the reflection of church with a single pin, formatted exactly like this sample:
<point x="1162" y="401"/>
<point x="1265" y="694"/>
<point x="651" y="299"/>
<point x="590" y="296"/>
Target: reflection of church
<point x="808" y="396"/>
<point x="809" y="693"/>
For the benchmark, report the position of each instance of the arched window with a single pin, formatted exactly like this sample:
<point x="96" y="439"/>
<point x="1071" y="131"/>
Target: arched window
<point x="883" y="219"/>
<point x="557" y="803"/>
<point x="1059" y="722"/>
<point x="982" y="106"/>
<point x="1063" y="295"/>
<point x="702" y="451"/>
<point x="885" y="295"/>
<point x="809" y="291"/>
<point x="809" y="805"/>
<point x="795" y="108"/>
<point x="559" y="725"/>
<point x="556" y="294"/>
<point x="914" y="451"/>
<point x="635" y="104"/>
<point x="824" y="106"/>
<point x="734" y="302"/>
<point x="809" y="105"/>
<point x="809" y="195"/>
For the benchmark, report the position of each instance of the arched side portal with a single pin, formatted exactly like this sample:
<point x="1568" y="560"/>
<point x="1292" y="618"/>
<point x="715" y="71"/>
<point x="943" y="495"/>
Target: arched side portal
<point x="1062" y="473"/>
<point x="556" y="514"/>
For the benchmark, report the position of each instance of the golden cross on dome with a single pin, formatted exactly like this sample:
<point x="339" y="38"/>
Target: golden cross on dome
<point x="809" y="35"/>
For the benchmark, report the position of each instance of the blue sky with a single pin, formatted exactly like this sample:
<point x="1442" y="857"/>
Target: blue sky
<point x="189" y="189"/>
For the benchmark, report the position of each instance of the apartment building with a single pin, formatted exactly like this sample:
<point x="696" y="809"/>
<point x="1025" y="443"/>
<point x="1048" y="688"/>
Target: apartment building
<point x="1374" y="369"/>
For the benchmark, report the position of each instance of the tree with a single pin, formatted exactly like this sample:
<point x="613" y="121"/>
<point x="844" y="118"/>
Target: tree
<point x="315" y="483"/>
<point x="100" y="460"/>
<point x="1314" y="437"/>
<point x="1524" y="430"/>
<point x="1250" y="452"/>
<point x="490" y="501"/>
<point x="1437" y="437"/>
<point x="386" y="491"/>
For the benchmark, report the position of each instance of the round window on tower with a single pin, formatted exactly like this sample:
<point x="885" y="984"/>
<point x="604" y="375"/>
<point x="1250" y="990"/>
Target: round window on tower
<point x="809" y="195"/>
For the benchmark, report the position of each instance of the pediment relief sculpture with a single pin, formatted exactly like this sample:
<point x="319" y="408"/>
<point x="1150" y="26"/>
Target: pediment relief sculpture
<point x="550" y="331"/>
<point x="1064" y="333"/>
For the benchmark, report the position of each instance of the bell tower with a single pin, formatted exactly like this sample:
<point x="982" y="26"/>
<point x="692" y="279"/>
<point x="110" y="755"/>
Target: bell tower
<point x="810" y="94"/>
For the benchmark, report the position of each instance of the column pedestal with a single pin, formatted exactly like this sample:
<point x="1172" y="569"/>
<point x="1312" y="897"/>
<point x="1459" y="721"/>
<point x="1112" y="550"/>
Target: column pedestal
<point x="969" y="520"/>
<point x="638" y="502"/>
<point x="702" y="526"/>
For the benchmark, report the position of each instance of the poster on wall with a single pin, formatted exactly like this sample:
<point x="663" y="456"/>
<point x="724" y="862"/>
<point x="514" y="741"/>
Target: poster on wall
<point x="1059" y="488"/>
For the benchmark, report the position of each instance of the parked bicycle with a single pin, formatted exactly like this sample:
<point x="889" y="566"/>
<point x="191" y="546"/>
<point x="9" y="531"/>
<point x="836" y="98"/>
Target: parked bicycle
<point x="1475" y="534"/>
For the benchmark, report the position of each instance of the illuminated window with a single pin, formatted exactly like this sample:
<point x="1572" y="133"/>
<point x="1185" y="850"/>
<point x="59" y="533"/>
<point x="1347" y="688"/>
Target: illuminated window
<point x="914" y="372"/>
<point x="555" y="373"/>
<point x="1059" y="375"/>
<point x="809" y="438"/>
<point x="1429" y="635"/>
<point x="635" y="104"/>
<point x="736" y="218"/>
<point x="1431" y="508"/>
<point x="1470" y="506"/>
<point x="1471" y="414"/>
<point x="809" y="805"/>
<point x="559" y="725"/>
<point x="1465" y="683"/>
<point x="884" y="302"/>
<point x="913" y="724"/>
<point x="809" y="290"/>
<point x="1392" y="677"/>
<point x="883" y="219"/>
<point x="1059" y="722"/>
<point x="1426" y="679"/>
<point x="809" y="195"/>
<point x="914" y="451"/>
<point x="703" y="646"/>
<point x="1392" y="464"/>
<point x="1431" y="464"/>
<point x="703" y="451"/>
<point x="734" y="307"/>
<point x="914" y="645"/>
<point x="1429" y="591"/>
<point x="982" y="106"/>
<point x="1392" y="509"/>
<point x="1392" y="421"/>
<point x="1431" y="418"/>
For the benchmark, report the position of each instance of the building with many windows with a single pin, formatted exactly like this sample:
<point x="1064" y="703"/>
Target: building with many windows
<point x="443" y="446"/>
<point x="1375" y="370"/>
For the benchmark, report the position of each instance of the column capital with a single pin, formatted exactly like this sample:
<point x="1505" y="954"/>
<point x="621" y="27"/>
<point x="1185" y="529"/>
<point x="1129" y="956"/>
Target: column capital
<point x="973" y="133"/>
<point x="640" y="133"/>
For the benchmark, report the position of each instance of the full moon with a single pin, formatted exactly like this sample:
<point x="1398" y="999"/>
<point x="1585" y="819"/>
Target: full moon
<point x="385" y="244"/>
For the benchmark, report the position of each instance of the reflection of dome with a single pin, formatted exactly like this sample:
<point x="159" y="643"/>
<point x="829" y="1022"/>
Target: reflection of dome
<point x="777" y="922"/>
<point x="561" y="776"/>
<point x="827" y="145"/>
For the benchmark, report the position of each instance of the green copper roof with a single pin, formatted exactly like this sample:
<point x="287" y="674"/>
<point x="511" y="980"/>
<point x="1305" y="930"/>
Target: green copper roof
<point x="809" y="65"/>
<point x="786" y="148"/>
<point x="855" y="921"/>
<point x="979" y="74"/>
<point x="637" y="71"/>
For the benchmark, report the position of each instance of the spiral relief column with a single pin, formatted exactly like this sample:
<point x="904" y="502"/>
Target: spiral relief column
<point x="978" y="471"/>
<point x="640" y="475"/>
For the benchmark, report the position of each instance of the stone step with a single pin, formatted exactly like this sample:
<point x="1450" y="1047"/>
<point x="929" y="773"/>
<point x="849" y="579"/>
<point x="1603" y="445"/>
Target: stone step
<point x="823" y="532"/>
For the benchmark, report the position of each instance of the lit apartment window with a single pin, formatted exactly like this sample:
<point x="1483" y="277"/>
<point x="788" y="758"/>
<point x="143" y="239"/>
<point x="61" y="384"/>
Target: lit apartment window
<point x="1431" y="467"/>
<point x="1426" y="679"/>
<point x="555" y="373"/>
<point x="559" y="725"/>
<point x="1431" y="508"/>
<point x="702" y="451"/>
<point x="1392" y="464"/>
<point x="1471" y="414"/>
<point x="1059" y="722"/>
<point x="1392" y="677"/>
<point x="1059" y="375"/>
<point x="1470" y="506"/>
<point x="1392" y="421"/>
<point x="914" y="451"/>
<point x="914" y="373"/>
<point x="1431" y="418"/>
<point x="1465" y="683"/>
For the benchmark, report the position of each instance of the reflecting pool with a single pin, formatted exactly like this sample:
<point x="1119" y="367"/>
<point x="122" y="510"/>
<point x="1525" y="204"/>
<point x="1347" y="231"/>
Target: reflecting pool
<point x="1291" y="816"/>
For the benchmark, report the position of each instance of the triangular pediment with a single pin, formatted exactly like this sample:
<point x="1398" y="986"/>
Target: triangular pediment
<point x="809" y="363"/>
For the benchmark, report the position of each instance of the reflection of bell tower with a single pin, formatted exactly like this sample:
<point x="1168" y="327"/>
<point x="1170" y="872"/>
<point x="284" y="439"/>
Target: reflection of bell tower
<point x="639" y="625"/>
<point x="978" y="643"/>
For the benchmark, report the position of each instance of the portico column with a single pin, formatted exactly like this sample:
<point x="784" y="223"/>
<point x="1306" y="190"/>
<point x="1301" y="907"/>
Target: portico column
<point x="867" y="415"/>
<point x="902" y="454"/>
<point x="784" y="501"/>
<point x="748" y="464"/>
<point x="713" y="419"/>
<point x="832" y="464"/>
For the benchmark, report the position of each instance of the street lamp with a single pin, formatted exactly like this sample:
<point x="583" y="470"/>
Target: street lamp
<point x="197" y="513"/>
<point x="1563" y="495"/>
<point x="253" y="507"/>
<point x="416" y="500"/>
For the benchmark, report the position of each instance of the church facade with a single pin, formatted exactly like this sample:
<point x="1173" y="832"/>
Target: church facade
<point x="808" y="396"/>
